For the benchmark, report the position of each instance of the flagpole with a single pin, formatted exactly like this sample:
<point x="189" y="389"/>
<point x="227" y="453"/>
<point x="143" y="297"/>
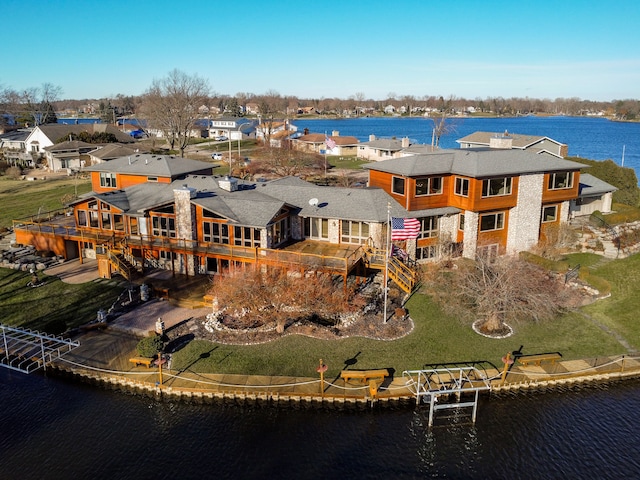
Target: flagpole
<point x="386" y="262"/>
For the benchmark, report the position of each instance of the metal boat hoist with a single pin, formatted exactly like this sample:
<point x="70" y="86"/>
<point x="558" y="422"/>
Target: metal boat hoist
<point x="27" y="351"/>
<point x="444" y="388"/>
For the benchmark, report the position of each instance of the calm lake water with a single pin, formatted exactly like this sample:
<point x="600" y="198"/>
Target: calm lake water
<point x="53" y="428"/>
<point x="587" y="137"/>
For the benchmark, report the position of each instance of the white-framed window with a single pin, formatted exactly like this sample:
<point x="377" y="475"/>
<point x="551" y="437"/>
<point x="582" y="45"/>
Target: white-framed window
<point x="549" y="214"/>
<point x="429" y="227"/>
<point x="560" y="180"/>
<point x="494" y="187"/>
<point x="492" y="221"/>
<point x="397" y="185"/>
<point x="354" y="232"/>
<point x="107" y="180"/>
<point x="462" y="187"/>
<point x="428" y="186"/>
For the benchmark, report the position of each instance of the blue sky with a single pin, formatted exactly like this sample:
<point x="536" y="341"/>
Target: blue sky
<point x="321" y="49"/>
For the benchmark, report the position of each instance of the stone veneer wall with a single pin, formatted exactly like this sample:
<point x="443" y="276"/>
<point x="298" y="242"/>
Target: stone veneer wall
<point x="185" y="223"/>
<point x="449" y="227"/>
<point x="524" y="218"/>
<point x="470" y="241"/>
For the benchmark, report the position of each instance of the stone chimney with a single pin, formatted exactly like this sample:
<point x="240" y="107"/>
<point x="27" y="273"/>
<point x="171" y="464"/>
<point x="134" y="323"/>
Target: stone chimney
<point x="185" y="221"/>
<point x="372" y="138"/>
<point x="501" y="140"/>
<point x="228" y="183"/>
<point x="405" y="142"/>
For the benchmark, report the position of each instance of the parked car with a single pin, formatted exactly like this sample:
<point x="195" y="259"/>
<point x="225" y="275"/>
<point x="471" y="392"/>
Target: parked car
<point x="216" y="156"/>
<point x="137" y="134"/>
<point x="220" y="138"/>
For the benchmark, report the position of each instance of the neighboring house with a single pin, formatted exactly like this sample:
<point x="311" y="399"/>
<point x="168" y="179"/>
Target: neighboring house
<point x="232" y="128"/>
<point x="252" y="108"/>
<point x="47" y="135"/>
<point x="317" y="143"/>
<point x="111" y="151"/>
<point x="13" y="146"/>
<point x="266" y="129"/>
<point x="593" y="195"/>
<point x="503" y="199"/>
<point x="382" y="149"/>
<point x="69" y="156"/>
<point x="516" y="141"/>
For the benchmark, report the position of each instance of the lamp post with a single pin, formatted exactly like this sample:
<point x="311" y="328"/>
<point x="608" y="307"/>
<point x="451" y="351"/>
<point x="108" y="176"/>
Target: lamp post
<point x="230" y="161"/>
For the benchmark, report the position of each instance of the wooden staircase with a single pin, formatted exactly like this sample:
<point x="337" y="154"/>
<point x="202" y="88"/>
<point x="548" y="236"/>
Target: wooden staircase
<point x="401" y="273"/>
<point x="122" y="265"/>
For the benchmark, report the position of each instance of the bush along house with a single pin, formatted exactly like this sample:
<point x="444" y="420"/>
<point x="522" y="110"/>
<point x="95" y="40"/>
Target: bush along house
<point x="153" y="211"/>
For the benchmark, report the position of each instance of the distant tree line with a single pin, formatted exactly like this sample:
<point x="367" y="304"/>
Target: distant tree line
<point x="37" y="105"/>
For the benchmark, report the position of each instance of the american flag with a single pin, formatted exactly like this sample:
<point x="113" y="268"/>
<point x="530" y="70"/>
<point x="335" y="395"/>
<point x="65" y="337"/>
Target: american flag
<point x="404" y="228"/>
<point x="330" y="143"/>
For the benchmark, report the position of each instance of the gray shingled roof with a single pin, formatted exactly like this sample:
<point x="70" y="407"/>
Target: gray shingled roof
<point x="151" y="165"/>
<point x="54" y="131"/>
<point x="138" y="198"/>
<point x="69" y="145"/>
<point x="389" y="144"/>
<point x="474" y="163"/>
<point x="518" y="140"/>
<point x="358" y="204"/>
<point x="592" y="186"/>
<point x="256" y="204"/>
<point x="114" y="150"/>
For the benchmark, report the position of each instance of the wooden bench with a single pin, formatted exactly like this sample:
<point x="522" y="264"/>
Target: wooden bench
<point x="141" y="361"/>
<point x="373" y="377"/>
<point x="364" y="375"/>
<point x="538" y="358"/>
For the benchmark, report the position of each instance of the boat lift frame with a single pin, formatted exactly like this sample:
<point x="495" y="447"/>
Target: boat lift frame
<point x="432" y="384"/>
<point x="26" y="350"/>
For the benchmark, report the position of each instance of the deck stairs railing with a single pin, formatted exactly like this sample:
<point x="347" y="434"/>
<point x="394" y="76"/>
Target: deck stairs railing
<point x="121" y="264"/>
<point x="402" y="274"/>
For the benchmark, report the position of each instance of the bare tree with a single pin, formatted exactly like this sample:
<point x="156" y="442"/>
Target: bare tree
<point x="253" y="297"/>
<point x="507" y="289"/>
<point x="35" y="104"/>
<point x="285" y="161"/>
<point x="171" y="105"/>
<point x="440" y="125"/>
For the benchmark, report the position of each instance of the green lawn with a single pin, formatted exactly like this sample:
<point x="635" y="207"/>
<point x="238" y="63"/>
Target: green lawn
<point x="53" y="307"/>
<point x="21" y="198"/>
<point x="436" y="339"/>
